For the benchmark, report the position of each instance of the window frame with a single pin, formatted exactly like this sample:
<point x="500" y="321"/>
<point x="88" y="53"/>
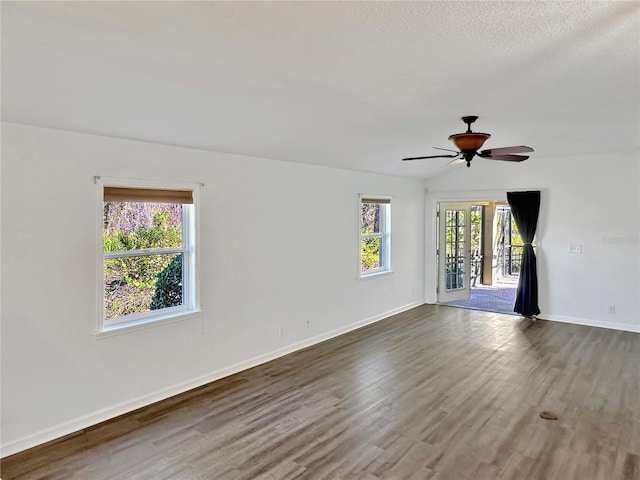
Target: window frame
<point x="384" y="235"/>
<point x="190" y="307"/>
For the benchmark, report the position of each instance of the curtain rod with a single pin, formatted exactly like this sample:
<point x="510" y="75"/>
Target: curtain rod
<point x="99" y="177"/>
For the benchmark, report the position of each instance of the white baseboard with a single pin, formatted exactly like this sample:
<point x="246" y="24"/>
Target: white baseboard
<point x="99" y="416"/>
<point x="627" y="327"/>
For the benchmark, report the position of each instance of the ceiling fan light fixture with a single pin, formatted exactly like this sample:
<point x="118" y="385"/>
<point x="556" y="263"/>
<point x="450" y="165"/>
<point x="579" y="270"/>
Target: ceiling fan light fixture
<point x="469" y="141"/>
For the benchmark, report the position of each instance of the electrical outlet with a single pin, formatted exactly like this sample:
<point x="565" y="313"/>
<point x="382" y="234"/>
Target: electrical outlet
<point x="280" y="329"/>
<point x="612" y="309"/>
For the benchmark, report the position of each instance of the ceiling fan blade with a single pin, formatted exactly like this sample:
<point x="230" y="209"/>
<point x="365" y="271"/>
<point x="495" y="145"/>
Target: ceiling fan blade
<point x="505" y="150"/>
<point x="507" y="158"/>
<point x="431" y="156"/>
<point x="446" y="149"/>
<point x="457" y="161"/>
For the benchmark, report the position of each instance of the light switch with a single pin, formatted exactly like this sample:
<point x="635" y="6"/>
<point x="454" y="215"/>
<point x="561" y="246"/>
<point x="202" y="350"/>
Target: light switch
<point x="575" y="248"/>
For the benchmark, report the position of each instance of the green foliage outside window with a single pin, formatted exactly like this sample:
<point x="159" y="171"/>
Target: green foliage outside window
<point x="370" y="223"/>
<point x="168" y="286"/>
<point x="370" y="254"/>
<point x="131" y="282"/>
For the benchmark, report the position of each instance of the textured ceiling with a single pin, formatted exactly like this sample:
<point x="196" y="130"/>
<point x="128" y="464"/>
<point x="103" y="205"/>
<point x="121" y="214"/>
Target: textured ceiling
<point x="355" y="85"/>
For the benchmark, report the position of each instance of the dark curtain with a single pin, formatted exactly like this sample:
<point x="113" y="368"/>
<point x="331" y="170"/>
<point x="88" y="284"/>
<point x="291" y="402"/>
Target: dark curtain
<point x="525" y="207"/>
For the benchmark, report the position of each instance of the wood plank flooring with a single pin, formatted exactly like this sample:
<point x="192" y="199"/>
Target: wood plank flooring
<point x="433" y="393"/>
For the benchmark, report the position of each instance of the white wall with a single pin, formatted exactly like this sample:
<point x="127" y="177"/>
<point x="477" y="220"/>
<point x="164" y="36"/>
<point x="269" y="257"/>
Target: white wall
<point x="278" y="243"/>
<point x="591" y="201"/>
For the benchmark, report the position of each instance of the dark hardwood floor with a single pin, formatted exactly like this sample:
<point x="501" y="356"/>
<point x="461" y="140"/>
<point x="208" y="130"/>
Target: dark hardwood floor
<point x="433" y="393"/>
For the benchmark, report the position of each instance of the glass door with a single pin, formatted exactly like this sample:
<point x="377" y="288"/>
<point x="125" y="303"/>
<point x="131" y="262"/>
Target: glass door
<point x="454" y="251"/>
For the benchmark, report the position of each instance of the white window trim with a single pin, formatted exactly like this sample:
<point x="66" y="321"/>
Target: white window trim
<point x="385" y="239"/>
<point x="136" y="322"/>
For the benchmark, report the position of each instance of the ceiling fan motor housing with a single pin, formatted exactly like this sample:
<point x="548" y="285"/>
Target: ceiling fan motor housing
<point x="469" y="142"/>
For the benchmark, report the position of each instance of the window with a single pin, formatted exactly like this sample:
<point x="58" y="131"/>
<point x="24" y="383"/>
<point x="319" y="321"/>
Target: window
<point x="148" y="268"/>
<point x="375" y="235"/>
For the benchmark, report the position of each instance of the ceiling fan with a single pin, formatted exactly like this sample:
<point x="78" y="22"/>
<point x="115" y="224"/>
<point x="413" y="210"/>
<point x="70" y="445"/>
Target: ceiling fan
<point x="469" y="143"/>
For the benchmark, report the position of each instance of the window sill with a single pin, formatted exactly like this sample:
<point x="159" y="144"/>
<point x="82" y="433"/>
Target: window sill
<point x="370" y="276"/>
<point x="135" y="326"/>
